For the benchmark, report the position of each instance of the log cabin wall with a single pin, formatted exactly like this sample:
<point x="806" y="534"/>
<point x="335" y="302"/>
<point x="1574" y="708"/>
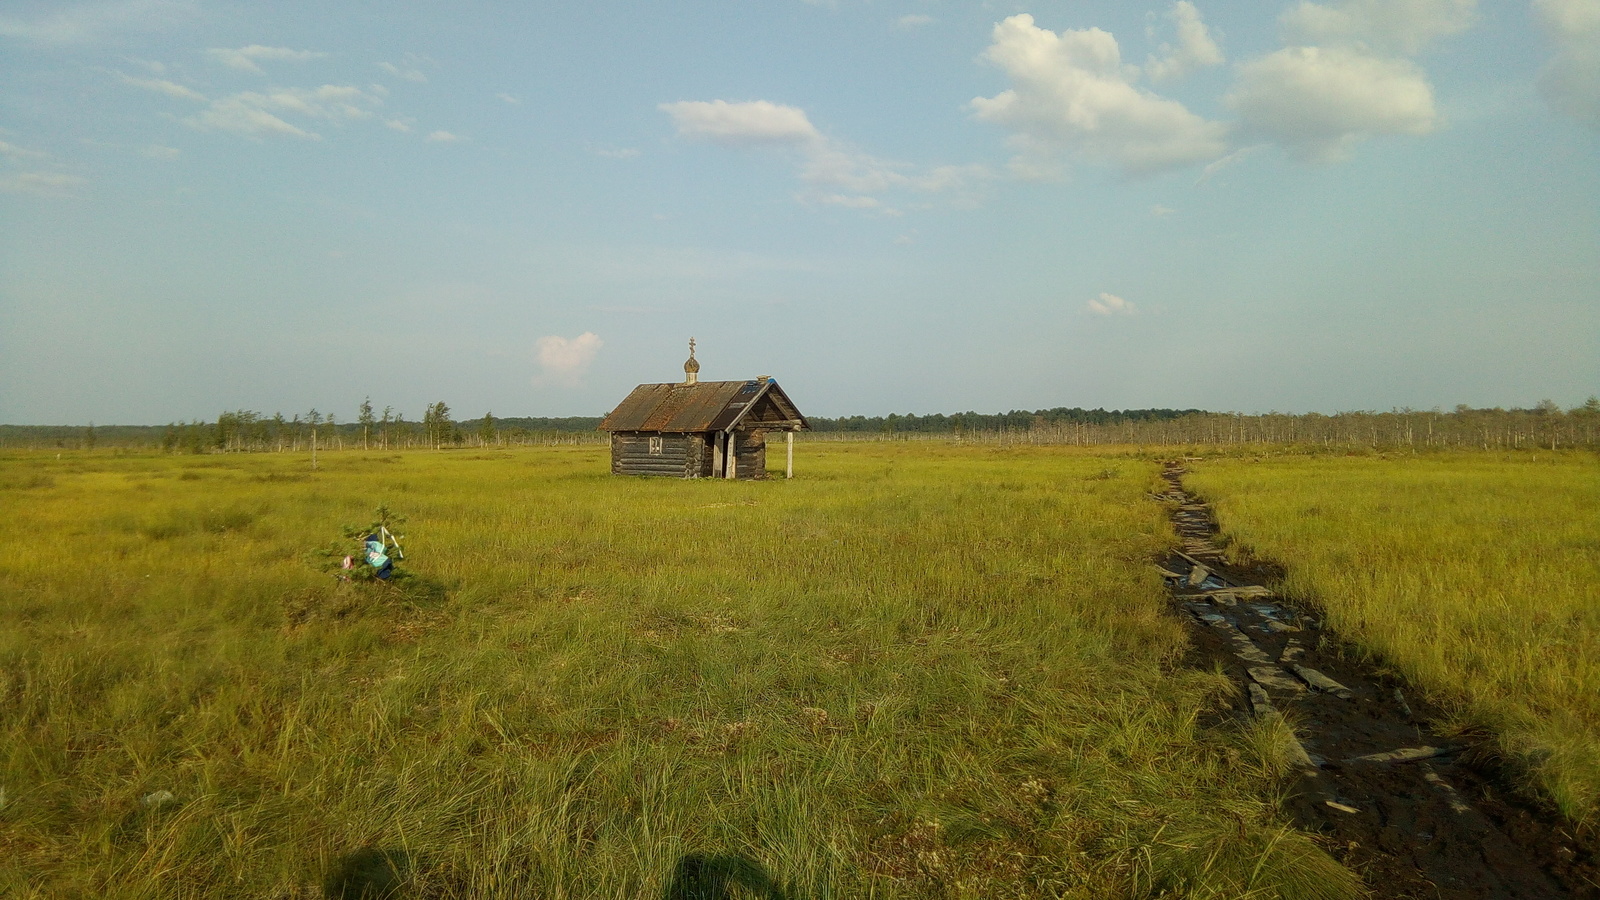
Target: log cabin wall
<point x="643" y="453"/>
<point x="750" y="453"/>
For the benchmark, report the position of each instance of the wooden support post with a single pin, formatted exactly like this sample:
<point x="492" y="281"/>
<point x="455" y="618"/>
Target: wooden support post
<point x="733" y="457"/>
<point x="716" y="455"/>
<point x="788" y="440"/>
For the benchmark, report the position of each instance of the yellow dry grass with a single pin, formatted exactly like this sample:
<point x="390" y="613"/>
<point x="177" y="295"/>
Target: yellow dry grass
<point x="1477" y="576"/>
<point x="914" y="671"/>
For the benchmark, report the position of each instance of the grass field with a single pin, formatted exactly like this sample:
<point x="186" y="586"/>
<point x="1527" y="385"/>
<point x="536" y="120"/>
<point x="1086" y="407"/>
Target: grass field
<point x="1476" y="576"/>
<point x="913" y="671"/>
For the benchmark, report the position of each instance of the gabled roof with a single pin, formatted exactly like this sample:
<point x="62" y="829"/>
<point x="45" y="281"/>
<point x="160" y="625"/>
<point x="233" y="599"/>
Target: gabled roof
<point x="705" y="406"/>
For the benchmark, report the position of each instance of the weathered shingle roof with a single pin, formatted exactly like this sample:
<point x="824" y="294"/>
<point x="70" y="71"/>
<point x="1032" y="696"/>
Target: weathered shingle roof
<point x="706" y="406"/>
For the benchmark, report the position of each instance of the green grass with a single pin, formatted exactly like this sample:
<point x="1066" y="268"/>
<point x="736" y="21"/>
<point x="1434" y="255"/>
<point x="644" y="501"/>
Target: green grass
<point x="914" y="671"/>
<point x="1476" y="576"/>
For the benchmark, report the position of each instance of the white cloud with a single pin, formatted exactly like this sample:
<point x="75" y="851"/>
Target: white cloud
<point x="402" y="124"/>
<point x="162" y="86"/>
<point x="754" y="122"/>
<point x="1403" y="26"/>
<point x="443" y="137"/>
<point x="1196" y="49"/>
<point x="43" y="184"/>
<point x="564" y="360"/>
<point x="1161" y="212"/>
<point x="159" y="151"/>
<point x="245" y="58"/>
<point x="1571" y="81"/>
<point x="914" y="20"/>
<point x="821" y="161"/>
<point x="1319" y="101"/>
<point x="618" y="152"/>
<point x="1072" y="95"/>
<point x="257" y="115"/>
<point x="509" y="99"/>
<point x="849" y="202"/>
<point x="408" y="74"/>
<point x="92" y="22"/>
<point x="1110" y="305"/>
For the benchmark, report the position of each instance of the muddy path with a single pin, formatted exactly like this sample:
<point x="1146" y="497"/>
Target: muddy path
<point x="1417" y="813"/>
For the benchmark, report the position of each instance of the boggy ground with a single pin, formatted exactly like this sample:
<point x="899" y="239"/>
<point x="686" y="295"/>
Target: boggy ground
<point x="1449" y="826"/>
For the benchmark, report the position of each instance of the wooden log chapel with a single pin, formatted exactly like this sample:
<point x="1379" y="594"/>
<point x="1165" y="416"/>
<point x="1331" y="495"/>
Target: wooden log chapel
<point x="702" y="429"/>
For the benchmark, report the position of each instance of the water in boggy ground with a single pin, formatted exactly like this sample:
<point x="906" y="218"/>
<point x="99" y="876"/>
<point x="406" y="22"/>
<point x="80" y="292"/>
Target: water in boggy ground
<point x="1437" y="821"/>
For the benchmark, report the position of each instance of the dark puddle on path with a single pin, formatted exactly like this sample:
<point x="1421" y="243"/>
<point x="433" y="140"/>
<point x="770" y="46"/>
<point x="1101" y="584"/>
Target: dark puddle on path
<point x="1418" y="814"/>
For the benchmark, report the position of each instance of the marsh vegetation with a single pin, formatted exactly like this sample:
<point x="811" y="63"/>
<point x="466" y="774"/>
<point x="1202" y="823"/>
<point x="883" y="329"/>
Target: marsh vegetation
<point x="914" y="671"/>
<point x="1475" y="576"/>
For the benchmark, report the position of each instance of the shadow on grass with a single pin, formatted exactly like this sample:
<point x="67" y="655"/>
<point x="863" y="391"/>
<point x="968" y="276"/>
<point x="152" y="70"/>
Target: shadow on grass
<point x="702" y="876"/>
<point x="368" y="874"/>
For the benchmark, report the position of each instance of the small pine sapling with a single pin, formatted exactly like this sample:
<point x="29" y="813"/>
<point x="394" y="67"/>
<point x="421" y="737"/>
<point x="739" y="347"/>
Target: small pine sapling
<point x="368" y="552"/>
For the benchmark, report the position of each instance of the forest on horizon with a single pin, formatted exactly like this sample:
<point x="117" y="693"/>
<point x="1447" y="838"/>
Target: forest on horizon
<point x="1545" y="424"/>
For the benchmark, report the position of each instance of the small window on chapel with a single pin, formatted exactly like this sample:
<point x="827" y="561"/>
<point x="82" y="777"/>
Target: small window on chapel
<point x="655" y="446"/>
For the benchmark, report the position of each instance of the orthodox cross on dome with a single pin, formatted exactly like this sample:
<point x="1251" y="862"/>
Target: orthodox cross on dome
<point x="691" y="368"/>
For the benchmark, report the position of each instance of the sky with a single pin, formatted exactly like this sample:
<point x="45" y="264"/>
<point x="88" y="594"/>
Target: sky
<point x="893" y="206"/>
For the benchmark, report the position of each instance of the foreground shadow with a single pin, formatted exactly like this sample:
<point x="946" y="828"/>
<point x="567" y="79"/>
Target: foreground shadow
<point x="368" y="874"/>
<point x="704" y="876"/>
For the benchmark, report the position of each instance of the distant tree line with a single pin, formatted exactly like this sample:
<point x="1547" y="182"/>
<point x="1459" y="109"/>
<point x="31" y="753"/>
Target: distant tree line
<point x="955" y="423"/>
<point x="1546" y="425"/>
<point x="1543" y="425"/>
<point x="247" y="430"/>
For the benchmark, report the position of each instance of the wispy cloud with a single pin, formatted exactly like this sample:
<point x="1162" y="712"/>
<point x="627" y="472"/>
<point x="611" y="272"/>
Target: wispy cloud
<point x="162" y="86"/>
<point x="88" y="23"/>
<point x="159" y="151"/>
<point x="849" y="202"/>
<point x="1238" y="155"/>
<point x="509" y="99"/>
<point x="401" y="124"/>
<point x="443" y="137"/>
<point x="245" y="59"/>
<point x="914" y="20"/>
<point x="827" y="164"/>
<point x="259" y="115"/>
<point x="1385" y="26"/>
<point x="1571" y="81"/>
<point x="564" y="360"/>
<point x="1110" y="305"/>
<point x="43" y="184"/>
<point x="618" y="152"/>
<point x="17" y="154"/>
<point x="407" y="74"/>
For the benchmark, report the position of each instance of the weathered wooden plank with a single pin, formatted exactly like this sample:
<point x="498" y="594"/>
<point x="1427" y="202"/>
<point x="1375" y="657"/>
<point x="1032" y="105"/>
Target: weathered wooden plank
<point x="1291" y="652"/>
<point x="1458" y="804"/>
<point x="1243" y="647"/>
<point x="1321" y="682"/>
<point x="1274" y="678"/>
<point x="1403" y="755"/>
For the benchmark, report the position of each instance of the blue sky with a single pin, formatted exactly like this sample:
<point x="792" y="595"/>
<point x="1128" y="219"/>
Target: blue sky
<point x="890" y="206"/>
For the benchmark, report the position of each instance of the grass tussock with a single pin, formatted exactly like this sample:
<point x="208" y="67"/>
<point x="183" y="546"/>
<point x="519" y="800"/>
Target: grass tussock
<point x="1477" y="576"/>
<point x="912" y="672"/>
